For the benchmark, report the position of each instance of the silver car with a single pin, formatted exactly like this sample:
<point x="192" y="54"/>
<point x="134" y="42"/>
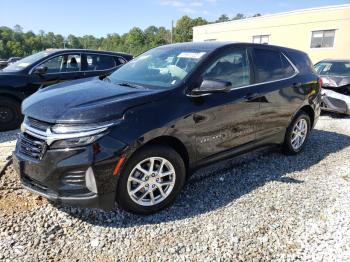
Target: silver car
<point x="335" y="76"/>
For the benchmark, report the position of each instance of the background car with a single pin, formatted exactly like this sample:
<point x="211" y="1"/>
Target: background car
<point x="3" y="63"/>
<point x="26" y="76"/>
<point x="12" y="60"/>
<point x="335" y="76"/>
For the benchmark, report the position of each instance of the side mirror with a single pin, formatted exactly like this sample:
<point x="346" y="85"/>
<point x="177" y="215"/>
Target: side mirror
<point x="40" y="70"/>
<point x="212" y="86"/>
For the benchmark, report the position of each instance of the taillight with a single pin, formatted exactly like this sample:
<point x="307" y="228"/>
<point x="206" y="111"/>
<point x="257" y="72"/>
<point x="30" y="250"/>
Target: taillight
<point x="320" y="82"/>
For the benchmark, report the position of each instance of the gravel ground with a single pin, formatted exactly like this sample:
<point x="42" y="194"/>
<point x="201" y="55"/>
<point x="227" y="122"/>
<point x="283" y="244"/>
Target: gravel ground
<point x="261" y="206"/>
<point x="7" y="144"/>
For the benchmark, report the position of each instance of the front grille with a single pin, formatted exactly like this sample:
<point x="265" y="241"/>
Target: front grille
<point x="37" y="124"/>
<point x="31" y="146"/>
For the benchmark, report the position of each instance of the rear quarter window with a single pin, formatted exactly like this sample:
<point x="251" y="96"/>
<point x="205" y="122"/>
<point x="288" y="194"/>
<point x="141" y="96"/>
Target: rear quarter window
<point x="301" y="61"/>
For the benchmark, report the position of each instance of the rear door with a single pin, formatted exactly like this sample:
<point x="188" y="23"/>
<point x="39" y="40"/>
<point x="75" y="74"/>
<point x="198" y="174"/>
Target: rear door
<point x="71" y="67"/>
<point x="280" y="88"/>
<point x="98" y="64"/>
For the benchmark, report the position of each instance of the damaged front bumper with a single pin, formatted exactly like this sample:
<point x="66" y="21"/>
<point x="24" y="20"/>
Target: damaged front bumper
<point x="335" y="102"/>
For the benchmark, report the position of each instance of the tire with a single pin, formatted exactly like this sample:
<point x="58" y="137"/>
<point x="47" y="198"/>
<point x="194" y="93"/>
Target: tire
<point x="10" y="114"/>
<point x="134" y="184"/>
<point x="291" y="147"/>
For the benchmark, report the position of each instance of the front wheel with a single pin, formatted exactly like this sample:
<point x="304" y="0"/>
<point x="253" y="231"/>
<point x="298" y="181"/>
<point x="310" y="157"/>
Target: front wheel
<point x="151" y="180"/>
<point x="297" y="134"/>
<point x="10" y="114"/>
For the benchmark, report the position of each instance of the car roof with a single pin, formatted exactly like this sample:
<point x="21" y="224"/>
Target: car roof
<point x="334" y="60"/>
<point x="71" y="50"/>
<point x="210" y="46"/>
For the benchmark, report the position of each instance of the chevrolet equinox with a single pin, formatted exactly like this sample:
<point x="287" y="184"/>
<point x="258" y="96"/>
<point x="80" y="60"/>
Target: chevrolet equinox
<point x="134" y="137"/>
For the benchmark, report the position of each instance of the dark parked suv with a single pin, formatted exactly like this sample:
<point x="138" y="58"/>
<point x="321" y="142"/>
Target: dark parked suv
<point x="24" y="77"/>
<point x="134" y="137"/>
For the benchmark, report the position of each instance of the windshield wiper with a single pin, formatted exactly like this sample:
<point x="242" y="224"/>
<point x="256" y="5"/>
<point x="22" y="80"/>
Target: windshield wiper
<point x="129" y="85"/>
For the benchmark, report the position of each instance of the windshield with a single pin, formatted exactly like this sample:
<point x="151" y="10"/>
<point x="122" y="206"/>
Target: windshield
<point x="333" y="68"/>
<point x="160" y="67"/>
<point x="25" y="62"/>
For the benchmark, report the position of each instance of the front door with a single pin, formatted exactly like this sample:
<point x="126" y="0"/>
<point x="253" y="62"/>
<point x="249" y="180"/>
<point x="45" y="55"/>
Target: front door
<point x="59" y="68"/>
<point x="224" y="121"/>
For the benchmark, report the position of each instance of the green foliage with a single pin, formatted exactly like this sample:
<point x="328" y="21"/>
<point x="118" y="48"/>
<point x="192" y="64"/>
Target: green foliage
<point x="15" y="42"/>
<point x="183" y="29"/>
<point x="222" y="18"/>
<point x="239" y="16"/>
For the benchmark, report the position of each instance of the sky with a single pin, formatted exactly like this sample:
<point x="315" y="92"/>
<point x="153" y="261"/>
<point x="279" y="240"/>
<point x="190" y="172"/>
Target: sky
<point x="99" y="18"/>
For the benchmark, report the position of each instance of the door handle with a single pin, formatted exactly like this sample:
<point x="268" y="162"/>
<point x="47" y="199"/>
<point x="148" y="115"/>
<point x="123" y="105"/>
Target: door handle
<point x="252" y="96"/>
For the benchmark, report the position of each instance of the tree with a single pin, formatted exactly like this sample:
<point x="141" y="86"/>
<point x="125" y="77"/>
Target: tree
<point x="239" y="16"/>
<point x="15" y="42"/>
<point x="184" y="28"/>
<point x="256" y="15"/>
<point x="135" y="41"/>
<point x="222" y="18"/>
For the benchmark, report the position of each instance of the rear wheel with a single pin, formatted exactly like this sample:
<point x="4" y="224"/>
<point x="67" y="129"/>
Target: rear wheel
<point x="151" y="180"/>
<point x="10" y="114"/>
<point x="297" y="133"/>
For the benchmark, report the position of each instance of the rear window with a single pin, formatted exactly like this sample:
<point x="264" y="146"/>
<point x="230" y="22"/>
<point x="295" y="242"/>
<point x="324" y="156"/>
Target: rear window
<point x="271" y="65"/>
<point x="99" y="62"/>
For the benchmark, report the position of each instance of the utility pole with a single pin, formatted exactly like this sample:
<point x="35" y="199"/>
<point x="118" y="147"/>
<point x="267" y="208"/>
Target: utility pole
<point x="172" y="32"/>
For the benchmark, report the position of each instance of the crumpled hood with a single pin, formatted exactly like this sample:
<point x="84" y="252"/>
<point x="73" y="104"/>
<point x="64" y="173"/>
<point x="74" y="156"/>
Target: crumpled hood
<point x="335" y="81"/>
<point x="84" y="101"/>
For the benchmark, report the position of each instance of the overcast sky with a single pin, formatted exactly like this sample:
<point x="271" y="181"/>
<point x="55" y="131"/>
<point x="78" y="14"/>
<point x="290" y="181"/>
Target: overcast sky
<point x="80" y="17"/>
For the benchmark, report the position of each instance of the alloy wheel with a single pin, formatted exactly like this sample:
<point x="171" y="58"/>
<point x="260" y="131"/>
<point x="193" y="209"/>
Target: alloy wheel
<point x="6" y="114"/>
<point x="151" y="181"/>
<point x="299" y="134"/>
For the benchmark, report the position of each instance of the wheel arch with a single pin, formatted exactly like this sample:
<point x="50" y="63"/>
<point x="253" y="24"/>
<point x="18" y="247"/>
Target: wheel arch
<point x="310" y="111"/>
<point x="172" y="142"/>
<point x="12" y="96"/>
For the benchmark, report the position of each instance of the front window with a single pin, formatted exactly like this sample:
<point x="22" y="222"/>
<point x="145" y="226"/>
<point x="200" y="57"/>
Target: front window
<point x="232" y="67"/>
<point x="63" y="63"/>
<point x="322" y="38"/>
<point x="25" y="62"/>
<point x="160" y="67"/>
<point x="333" y="68"/>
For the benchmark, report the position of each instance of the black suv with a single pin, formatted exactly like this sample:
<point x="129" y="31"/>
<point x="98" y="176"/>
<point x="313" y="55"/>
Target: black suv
<point x="134" y="137"/>
<point x="24" y="77"/>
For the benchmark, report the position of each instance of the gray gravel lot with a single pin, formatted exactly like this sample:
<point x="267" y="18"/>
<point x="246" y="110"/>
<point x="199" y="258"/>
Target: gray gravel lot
<point x="261" y="206"/>
<point x="7" y="144"/>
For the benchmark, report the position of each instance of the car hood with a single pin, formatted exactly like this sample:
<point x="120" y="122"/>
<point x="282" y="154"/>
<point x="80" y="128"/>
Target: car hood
<point x="335" y="81"/>
<point x="85" y="101"/>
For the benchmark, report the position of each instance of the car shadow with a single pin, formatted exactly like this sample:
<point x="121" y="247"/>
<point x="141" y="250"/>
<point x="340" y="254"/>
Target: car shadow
<point x="225" y="182"/>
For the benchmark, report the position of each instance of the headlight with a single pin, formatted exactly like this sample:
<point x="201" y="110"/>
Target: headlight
<point x="76" y="142"/>
<point x="76" y="128"/>
<point x="77" y="135"/>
